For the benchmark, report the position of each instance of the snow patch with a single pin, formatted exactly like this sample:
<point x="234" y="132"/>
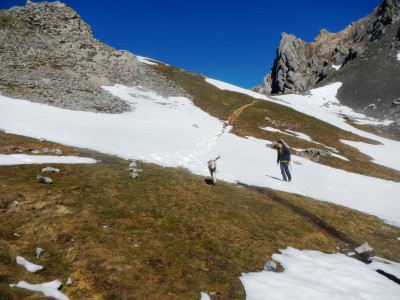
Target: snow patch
<point x="204" y="296"/>
<point x="146" y="60"/>
<point x="24" y="159"/>
<point x="289" y="132"/>
<point x="230" y="87"/>
<point x="385" y="265"/>
<point x="300" y="135"/>
<point x="315" y="275"/>
<point x="49" y="289"/>
<point x="398" y="56"/>
<point x="336" y="67"/>
<point x="30" y="267"/>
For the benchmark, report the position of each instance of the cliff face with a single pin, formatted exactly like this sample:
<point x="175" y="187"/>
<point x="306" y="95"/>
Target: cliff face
<point x="300" y="66"/>
<point x="48" y="55"/>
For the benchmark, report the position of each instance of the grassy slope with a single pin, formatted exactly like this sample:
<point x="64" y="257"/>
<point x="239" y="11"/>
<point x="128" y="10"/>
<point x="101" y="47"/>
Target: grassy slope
<point x="168" y="233"/>
<point x="222" y="104"/>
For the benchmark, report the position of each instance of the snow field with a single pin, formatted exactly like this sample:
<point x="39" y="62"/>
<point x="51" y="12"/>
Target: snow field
<point x="322" y="104"/>
<point x="172" y="132"/>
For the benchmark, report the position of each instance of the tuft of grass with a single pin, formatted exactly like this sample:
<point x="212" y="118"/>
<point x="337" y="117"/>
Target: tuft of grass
<point x="7" y="19"/>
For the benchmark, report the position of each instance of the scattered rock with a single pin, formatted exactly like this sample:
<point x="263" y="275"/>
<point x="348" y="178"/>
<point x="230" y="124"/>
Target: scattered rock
<point x="42" y="179"/>
<point x="69" y="280"/>
<point x="39" y="252"/>
<point x="370" y="106"/>
<point x="52" y="151"/>
<point x="364" y="248"/>
<point x="270" y="266"/>
<point x="317" y="151"/>
<point x="195" y="125"/>
<point x="50" y="169"/>
<point x="133" y="171"/>
<point x="55" y="151"/>
<point x="351" y="254"/>
<point x="396" y="102"/>
<point x="42" y="140"/>
<point x="35" y="152"/>
<point x="268" y="119"/>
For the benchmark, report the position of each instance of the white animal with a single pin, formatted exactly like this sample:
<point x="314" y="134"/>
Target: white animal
<point x="212" y="167"/>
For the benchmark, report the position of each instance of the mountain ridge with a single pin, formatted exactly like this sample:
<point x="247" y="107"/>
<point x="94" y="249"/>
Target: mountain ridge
<point x="300" y="66"/>
<point x="49" y="55"/>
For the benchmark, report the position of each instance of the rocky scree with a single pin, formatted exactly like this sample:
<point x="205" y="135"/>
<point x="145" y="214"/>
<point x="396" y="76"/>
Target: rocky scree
<point x="48" y="55"/>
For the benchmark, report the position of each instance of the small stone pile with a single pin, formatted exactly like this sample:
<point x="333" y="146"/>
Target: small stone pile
<point x="133" y="170"/>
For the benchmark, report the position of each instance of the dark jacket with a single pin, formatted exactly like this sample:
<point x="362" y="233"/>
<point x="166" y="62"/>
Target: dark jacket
<point x="283" y="154"/>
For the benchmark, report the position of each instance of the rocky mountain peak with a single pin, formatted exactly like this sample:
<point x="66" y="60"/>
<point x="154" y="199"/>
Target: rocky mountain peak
<point x="49" y="55"/>
<point x="299" y="66"/>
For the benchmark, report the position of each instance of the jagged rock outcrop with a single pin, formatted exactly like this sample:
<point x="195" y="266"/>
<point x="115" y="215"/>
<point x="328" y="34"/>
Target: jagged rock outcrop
<point x="362" y="57"/>
<point x="300" y="65"/>
<point x="48" y="55"/>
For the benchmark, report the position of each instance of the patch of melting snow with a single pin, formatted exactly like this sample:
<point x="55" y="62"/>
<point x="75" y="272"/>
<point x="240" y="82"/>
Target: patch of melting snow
<point x="315" y="275"/>
<point x="204" y="296"/>
<point x="30" y="267"/>
<point x="49" y="289"/>
<point x="24" y="159"/>
<point x="390" y="267"/>
<point x="336" y="67"/>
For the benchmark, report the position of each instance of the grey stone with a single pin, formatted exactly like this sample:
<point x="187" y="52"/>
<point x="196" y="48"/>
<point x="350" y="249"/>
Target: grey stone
<point x="42" y="179"/>
<point x="35" y="152"/>
<point x="132" y="164"/>
<point x="42" y="139"/>
<point x="396" y="102"/>
<point x="50" y="169"/>
<point x="270" y="266"/>
<point x="39" y="252"/>
<point x="317" y="151"/>
<point x="55" y="151"/>
<point x="134" y="175"/>
<point x="371" y="106"/>
<point x="363" y="248"/>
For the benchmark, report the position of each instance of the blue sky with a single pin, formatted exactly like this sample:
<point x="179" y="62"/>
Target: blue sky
<point x="229" y="40"/>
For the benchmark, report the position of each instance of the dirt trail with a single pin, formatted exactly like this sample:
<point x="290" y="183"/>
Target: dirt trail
<point x="313" y="219"/>
<point x="236" y="113"/>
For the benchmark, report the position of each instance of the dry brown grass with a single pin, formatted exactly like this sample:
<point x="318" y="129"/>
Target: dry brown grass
<point x="169" y="234"/>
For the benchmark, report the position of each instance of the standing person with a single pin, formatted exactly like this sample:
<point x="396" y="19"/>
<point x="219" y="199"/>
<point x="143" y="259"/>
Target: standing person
<point x="284" y="160"/>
